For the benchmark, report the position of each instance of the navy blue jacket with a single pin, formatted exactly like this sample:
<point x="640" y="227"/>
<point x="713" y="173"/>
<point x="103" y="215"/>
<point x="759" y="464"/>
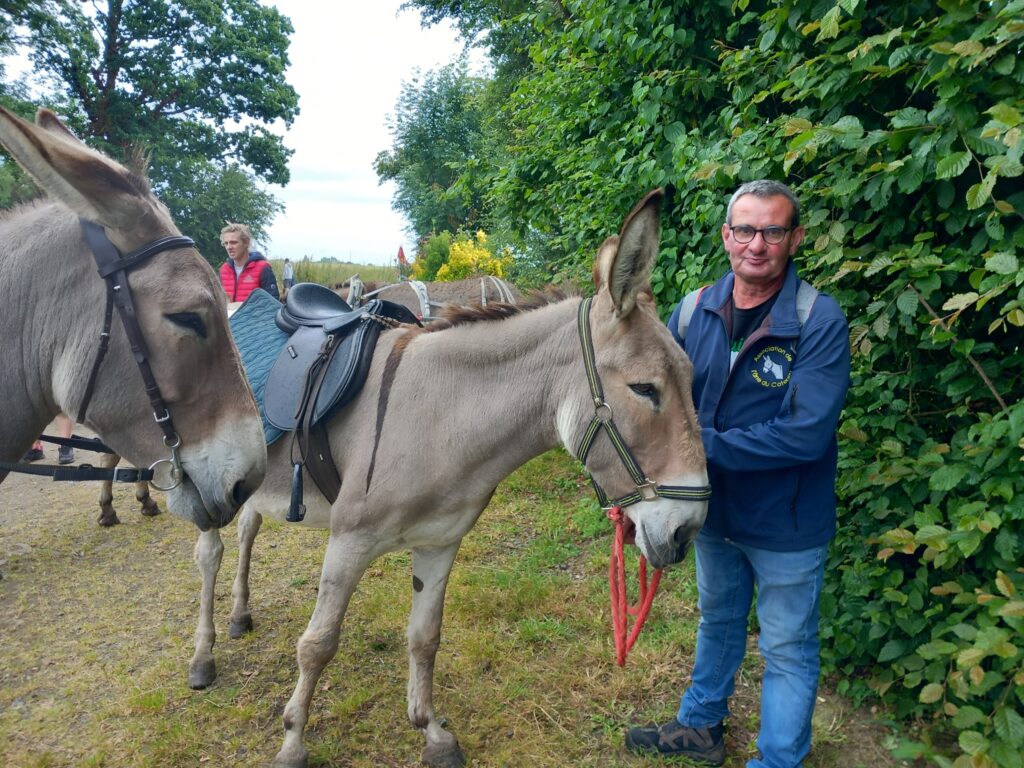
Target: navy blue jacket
<point x="769" y="425"/>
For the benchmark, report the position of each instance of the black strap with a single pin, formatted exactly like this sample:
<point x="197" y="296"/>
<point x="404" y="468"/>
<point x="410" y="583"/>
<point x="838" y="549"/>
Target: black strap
<point x="114" y="269"/>
<point x="314" y="450"/>
<point x="147" y="251"/>
<point x="314" y="447"/>
<point x="76" y="441"/>
<point x="101" y="353"/>
<point x="82" y="472"/>
<point x="645" y="489"/>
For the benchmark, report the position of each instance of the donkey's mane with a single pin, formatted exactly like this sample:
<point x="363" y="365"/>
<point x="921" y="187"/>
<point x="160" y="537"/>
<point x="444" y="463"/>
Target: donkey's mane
<point x="26" y="205"/>
<point x="454" y="314"/>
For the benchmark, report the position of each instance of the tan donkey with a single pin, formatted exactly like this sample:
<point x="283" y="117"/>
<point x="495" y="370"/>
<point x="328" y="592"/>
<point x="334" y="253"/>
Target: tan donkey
<point x="484" y="393"/>
<point x="198" y="420"/>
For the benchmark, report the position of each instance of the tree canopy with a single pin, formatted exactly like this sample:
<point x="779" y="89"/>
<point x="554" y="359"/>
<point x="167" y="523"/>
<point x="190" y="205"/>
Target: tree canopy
<point x="188" y="88"/>
<point x="438" y="131"/>
<point x="901" y="126"/>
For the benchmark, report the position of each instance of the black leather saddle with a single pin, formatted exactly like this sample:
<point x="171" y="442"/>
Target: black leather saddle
<point x="311" y="304"/>
<point x="321" y="367"/>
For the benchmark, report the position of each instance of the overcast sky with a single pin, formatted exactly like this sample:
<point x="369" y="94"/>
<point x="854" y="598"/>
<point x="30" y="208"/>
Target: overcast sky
<point x="348" y="64"/>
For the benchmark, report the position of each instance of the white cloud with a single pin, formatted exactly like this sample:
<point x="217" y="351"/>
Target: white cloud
<point x="348" y="64"/>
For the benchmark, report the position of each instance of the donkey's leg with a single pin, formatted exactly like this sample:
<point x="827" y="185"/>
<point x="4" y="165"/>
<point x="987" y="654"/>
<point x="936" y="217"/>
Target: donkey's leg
<point x="430" y="569"/>
<point x="108" y="516"/>
<point x="241" y="618"/>
<point x="343" y="567"/>
<point x="149" y="506"/>
<point x="208" y="553"/>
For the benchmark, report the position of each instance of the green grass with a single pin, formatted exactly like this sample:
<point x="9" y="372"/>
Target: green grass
<point x="332" y="273"/>
<point x="98" y="624"/>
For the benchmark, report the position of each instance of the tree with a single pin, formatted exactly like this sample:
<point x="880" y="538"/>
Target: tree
<point x="15" y="185"/>
<point x="437" y="131"/>
<point x="11" y="13"/>
<point x="188" y="88"/>
<point x="502" y="27"/>
<point x="194" y="77"/>
<point x="448" y="257"/>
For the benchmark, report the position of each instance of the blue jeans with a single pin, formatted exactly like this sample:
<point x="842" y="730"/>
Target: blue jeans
<point x="788" y="592"/>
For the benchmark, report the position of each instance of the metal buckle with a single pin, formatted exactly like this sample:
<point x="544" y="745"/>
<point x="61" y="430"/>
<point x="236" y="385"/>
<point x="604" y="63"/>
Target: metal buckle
<point x="648" y="490"/>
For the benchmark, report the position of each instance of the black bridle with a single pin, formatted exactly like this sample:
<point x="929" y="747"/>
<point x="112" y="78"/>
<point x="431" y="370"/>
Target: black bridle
<point x="646" y="489"/>
<point x="113" y="267"/>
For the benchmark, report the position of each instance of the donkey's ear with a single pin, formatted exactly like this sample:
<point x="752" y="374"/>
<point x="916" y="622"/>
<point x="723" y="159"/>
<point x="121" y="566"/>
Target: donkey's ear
<point x="48" y="121"/>
<point x="624" y="263"/>
<point x="92" y="185"/>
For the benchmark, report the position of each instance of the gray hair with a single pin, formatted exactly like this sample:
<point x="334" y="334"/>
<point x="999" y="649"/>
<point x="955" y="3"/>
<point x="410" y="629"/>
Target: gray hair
<point x="765" y="188"/>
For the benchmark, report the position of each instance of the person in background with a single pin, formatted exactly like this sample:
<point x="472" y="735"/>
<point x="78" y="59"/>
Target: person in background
<point x="288" y="276"/>
<point x="65" y="453"/>
<point x="245" y="270"/>
<point x="771" y="367"/>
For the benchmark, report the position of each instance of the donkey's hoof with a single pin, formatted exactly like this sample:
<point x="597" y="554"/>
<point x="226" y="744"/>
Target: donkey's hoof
<point x="444" y="755"/>
<point x="291" y="759"/>
<point x="239" y="627"/>
<point x="202" y="674"/>
<point x="150" y="508"/>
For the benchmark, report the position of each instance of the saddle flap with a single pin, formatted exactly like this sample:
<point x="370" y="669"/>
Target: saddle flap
<point x="346" y="370"/>
<point x="287" y="381"/>
<point x="319" y="370"/>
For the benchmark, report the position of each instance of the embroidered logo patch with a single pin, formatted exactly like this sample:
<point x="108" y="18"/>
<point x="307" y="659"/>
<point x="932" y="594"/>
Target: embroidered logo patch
<point x="772" y="367"/>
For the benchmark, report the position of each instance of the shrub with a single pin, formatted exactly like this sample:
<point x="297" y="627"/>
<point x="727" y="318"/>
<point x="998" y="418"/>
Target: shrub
<point x="901" y="126"/>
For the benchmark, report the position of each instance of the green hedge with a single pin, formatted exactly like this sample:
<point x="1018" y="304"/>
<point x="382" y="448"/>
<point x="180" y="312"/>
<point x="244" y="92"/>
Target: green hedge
<point x="900" y="125"/>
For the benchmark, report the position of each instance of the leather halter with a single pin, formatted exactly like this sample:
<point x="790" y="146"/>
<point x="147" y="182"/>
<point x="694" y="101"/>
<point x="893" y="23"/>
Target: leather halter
<point x="113" y="267"/>
<point x="646" y="489"/>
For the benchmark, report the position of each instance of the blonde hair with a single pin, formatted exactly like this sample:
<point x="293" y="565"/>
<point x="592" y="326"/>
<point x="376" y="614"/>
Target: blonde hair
<point x="241" y="229"/>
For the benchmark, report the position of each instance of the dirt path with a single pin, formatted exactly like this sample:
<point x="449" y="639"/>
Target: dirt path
<point x="96" y="632"/>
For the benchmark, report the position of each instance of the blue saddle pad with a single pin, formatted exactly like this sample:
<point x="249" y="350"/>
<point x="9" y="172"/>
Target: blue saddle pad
<point x="259" y="340"/>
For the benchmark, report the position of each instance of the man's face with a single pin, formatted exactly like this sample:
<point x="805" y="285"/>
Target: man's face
<point x="758" y="263"/>
<point x="237" y="248"/>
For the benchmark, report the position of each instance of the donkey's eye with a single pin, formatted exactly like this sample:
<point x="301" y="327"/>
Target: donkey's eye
<point x="190" y="321"/>
<point x="647" y="390"/>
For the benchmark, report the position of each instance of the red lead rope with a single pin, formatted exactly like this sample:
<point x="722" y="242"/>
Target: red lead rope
<point x="617" y="583"/>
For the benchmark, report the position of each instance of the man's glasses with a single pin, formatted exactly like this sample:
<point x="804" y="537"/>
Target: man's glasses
<point x="772" y="235"/>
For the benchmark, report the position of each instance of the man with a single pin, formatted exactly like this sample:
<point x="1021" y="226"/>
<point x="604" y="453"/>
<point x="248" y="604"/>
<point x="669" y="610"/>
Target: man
<point x="288" y="276"/>
<point x="771" y="368"/>
<point x="245" y="270"/>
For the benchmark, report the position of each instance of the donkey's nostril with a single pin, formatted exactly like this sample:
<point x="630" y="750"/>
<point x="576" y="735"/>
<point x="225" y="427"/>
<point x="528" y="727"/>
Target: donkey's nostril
<point x="240" y="493"/>
<point x="684" y="535"/>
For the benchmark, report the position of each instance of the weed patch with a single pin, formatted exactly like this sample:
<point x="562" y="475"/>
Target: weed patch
<point x="97" y="632"/>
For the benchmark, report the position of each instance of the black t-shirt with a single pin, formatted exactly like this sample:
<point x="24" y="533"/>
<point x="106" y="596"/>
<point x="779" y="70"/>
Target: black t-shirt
<point x="746" y="321"/>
